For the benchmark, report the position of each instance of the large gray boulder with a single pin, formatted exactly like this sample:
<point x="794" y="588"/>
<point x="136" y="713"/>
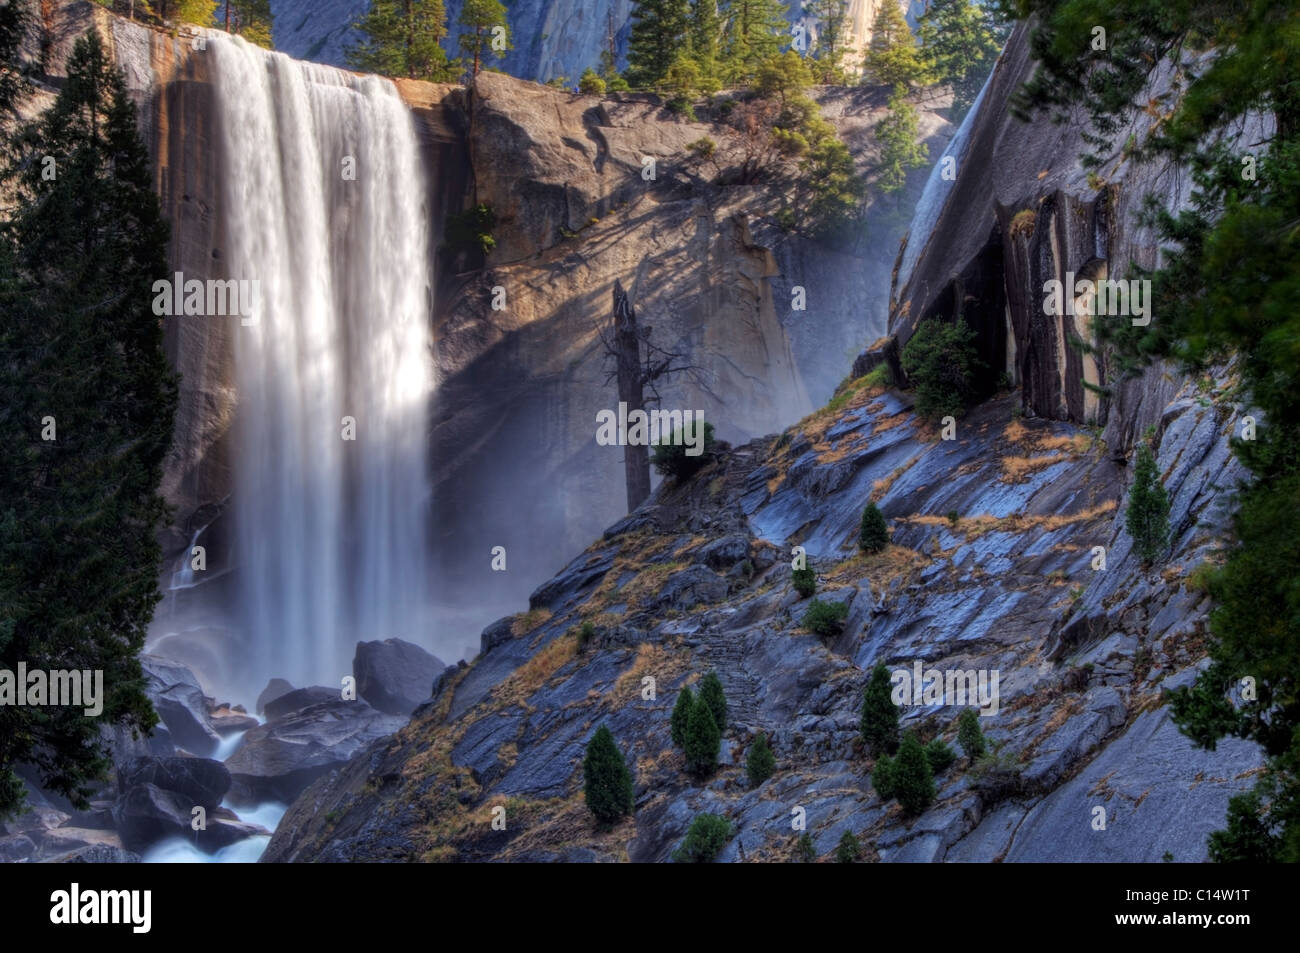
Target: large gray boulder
<point x="395" y="676"/>
<point x="181" y="704"/>
<point x="147" y="813"/>
<point x="275" y="688"/>
<point x="300" y="698"/>
<point x="202" y="781"/>
<point x="280" y="759"/>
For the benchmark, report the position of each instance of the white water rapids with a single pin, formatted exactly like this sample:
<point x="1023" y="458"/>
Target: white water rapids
<point x="325" y="204"/>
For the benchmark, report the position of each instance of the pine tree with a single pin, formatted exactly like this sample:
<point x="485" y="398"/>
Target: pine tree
<point x="832" y="39"/>
<point x="941" y="363"/>
<point x="848" y="849"/>
<point x="912" y="778"/>
<point x="760" y="763"/>
<point x="251" y="19"/>
<point x="882" y="777"/>
<point x="681" y="714"/>
<point x="590" y="83"/>
<point x="1249" y="837"/>
<point x="607" y="783"/>
<point x="702" y="741"/>
<point x="873" y="534"/>
<point x="403" y="38"/>
<point x="197" y="12"/>
<point x="1147" y="518"/>
<point x="705" y="35"/>
<point x="900" y="150"/>
<point x="939" y="755"/>
<point x="756" y="31"/>
<point x="969" y="735"/>
<point x="711" y="694"/>
<point x="879" y="713"/>
<point x="704" y="840"/>
<point x="80" y="250"/>
<point x="960" y="43"/>
<point x="658" y="37"/>
<point x="893" y="58"/>
<point x="14" y="19"/>
<point x="487" y="32"/>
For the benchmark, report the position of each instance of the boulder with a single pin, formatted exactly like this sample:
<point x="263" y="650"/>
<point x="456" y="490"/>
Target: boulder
<point x="300" y="698"/>
<point x="97" y="854"/>
<point x="222" y="832"/>
<point x="146" y="814"/>
<point x="16" y="848"/>
<point x="65" y="843"/>
<point x="200" y="781"/>
<point x="394" y="676"/>
<point x="692" y="586"/>
<point x="274" y="689"/>
<point x="280" y="759"/>
<point x="181" y="704"/>
<point x="35" y="820"/>
<point x="228" y="721"/>
<point x="722" y="554"/>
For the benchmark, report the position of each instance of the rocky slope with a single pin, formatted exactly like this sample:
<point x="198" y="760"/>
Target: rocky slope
<point x="990" y="568"/>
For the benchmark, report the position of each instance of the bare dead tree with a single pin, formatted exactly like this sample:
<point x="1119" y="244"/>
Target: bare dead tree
<point x="638" y="366"/>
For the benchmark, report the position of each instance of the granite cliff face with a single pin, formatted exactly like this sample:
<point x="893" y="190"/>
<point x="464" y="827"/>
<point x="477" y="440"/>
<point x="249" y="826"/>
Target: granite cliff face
<point x="1022" y="211"/>
<point x="709" y="270"/>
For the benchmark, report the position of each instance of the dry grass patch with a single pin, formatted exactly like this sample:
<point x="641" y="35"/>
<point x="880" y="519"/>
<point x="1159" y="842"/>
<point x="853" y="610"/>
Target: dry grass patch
<point x="566" y="822"/>
<point x="533" y="674"/>
<point x="972" y="527"/>
<point x="889" y="423"/>
<point x="651" y="659"/>
<point x="1016" y="469"/>
<point x="524" y="622"/>
<point x="880" y="487"/>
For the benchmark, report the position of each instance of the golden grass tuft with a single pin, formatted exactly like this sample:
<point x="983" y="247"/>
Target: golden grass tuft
<point x="651" y="659"/>
<point x="1015" y="469"/>
<point x="533" y="674"/>
<point x="880" y="487"/>
<point x="524" y="622"/>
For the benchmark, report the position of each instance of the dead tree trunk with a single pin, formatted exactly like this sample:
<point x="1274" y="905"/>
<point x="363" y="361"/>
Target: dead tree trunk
<point x="631" y="392"/>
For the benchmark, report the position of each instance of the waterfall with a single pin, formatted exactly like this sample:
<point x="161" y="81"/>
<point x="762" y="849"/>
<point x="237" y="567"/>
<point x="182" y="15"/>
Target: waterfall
<point x="325" y="198"/>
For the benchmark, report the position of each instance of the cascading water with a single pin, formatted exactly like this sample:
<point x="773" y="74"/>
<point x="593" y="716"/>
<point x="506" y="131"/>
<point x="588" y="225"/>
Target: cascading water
<point x="325" y="205"/>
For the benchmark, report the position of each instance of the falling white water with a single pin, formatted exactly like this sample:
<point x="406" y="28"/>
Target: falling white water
<point x="331" y="534"/>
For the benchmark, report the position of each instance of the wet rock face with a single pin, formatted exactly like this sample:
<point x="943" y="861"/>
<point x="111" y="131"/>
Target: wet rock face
<point x="278" y="760"/>
<point x="394" y="676"/>
<point x="707" y="266"/>
<point x="181" y="704"/>
<point x="991" y="569"/>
